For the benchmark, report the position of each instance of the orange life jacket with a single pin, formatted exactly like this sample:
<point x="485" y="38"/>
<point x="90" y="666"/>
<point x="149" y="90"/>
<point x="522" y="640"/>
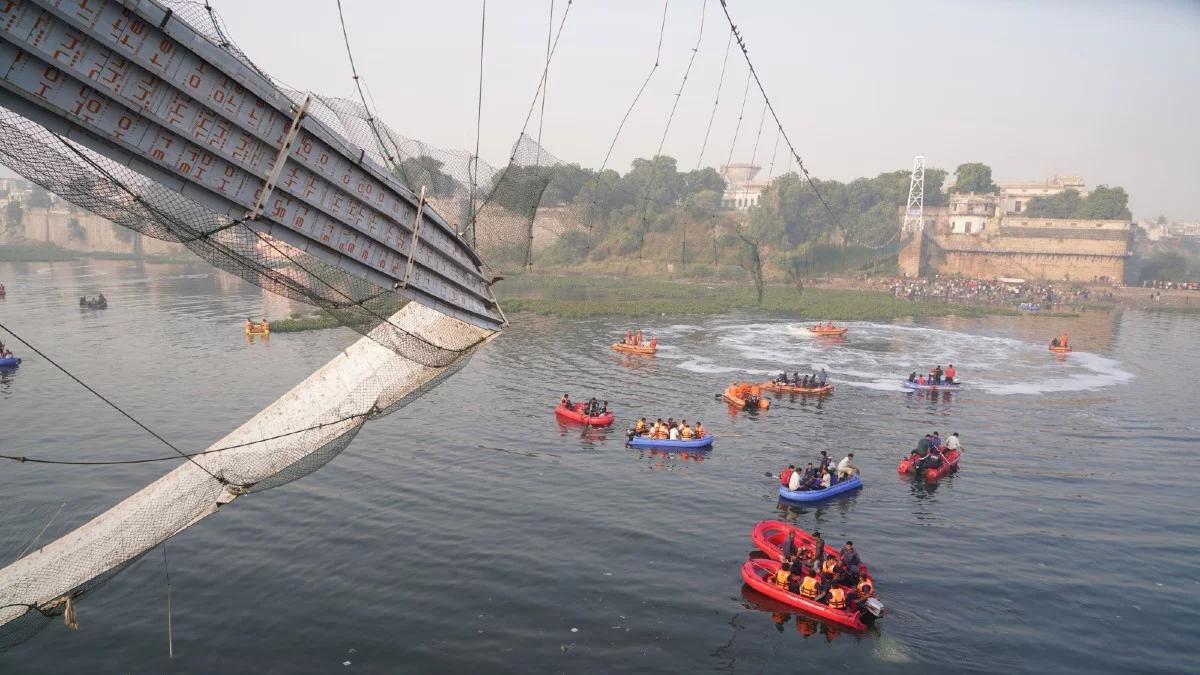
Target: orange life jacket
<point x="829" y="566"/>
<point x="864" y="589"/>
<point x="837" y="598"/>
<point x="640" y="427"/>
<point x="808" y="588"/>
<point x="687" y="432"/>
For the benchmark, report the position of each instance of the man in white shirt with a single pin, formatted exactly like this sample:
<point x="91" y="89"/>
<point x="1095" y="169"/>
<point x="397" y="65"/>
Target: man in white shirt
<point x="794" y="482"/>
<point x="953" y="443"/>
<point x="845" y="469"/>
<point x="674" y="433"/>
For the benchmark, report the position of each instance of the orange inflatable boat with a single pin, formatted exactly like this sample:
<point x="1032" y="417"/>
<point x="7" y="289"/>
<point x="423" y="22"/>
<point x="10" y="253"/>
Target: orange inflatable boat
<point x="746" y="396"/>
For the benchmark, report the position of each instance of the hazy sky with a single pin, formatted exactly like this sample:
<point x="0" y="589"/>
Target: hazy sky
<point x="1107" y="90"/>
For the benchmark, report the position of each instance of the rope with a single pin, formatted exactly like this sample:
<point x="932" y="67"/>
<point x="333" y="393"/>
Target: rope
<point x="657" y="57"/>
<point x="34" y="460"/>
<point x="758" y="136"/>
<point x="358" y="86"/>
<point x="114" y="406"/>
<point x="667" y="128"/>
<point x="529" y="115"/>
<point x="793" y="154"/>
<point x="479" y="120"/>
<point x="170" y="635"/>
<point x="771" y="170"/>
<point x="713" y="116"/>
<point x="546" y="84"/>
<point x="29" y="546"/>
<point x="741" y="113"/>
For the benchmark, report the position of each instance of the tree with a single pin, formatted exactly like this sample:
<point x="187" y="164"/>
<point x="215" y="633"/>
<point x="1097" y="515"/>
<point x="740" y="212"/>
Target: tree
<point x="753" y="260"/>
<point x="14" y="214"/>
<point x="1165" y="266"/>
<point x="566" y="181"/>
<point x="1105" y="203"/>
<point x="39" y="198"/>
<point x="973" y="177"/>
<point x="1062" y="205"/>
<point x="425" y="171"/>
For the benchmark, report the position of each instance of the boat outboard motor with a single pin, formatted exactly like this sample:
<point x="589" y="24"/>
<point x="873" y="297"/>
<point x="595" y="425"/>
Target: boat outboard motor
<point x="874" y="607"/>
<point x="629" y="436"/>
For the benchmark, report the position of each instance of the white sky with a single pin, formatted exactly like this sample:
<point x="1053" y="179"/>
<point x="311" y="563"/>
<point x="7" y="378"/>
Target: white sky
<point x="1107" y="90"/>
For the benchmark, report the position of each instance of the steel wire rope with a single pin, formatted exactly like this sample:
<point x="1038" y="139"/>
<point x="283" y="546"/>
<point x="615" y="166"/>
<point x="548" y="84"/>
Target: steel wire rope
<point x="657" y="59"/>
<point x="473" y="166"/>
<point x="667" y="128"/>
<point x="114" y="406"/>
<point x="546" y="84"/>
<point x="716" y="101"/>
<point x="793" y="154"/>
<point x="741" y="113"/>
<point x="358" y="86"/>
<point x="21" y="459"/>
<point x="498" y="180"/>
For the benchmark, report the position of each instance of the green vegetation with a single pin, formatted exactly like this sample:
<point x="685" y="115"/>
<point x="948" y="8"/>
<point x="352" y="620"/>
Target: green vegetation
<point x="972" y="177"/>
<point x="299" y="323"/>
<point x="576" y="297"/>
<point x="1103" y="203"/>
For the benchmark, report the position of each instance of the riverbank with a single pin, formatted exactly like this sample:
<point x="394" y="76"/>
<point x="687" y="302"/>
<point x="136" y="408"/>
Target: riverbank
<point x="579" y="297"/>
<point x="43" y="252"/>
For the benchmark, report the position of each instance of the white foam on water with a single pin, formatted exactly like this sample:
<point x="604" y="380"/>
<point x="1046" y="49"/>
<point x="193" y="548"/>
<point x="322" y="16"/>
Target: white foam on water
<point x="880" y="357"/>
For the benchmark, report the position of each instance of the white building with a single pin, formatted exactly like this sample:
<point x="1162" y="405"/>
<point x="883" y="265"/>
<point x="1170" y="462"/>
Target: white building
<point x="741" y="190"/>
<point x="1015" y="195"/>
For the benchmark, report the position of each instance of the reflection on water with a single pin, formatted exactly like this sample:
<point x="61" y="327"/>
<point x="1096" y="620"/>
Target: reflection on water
<point x="641" y="557"/>
<point x="807" y="625"/>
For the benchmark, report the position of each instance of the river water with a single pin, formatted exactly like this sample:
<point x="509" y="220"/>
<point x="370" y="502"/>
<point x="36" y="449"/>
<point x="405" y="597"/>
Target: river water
<point x="469" y="531"/>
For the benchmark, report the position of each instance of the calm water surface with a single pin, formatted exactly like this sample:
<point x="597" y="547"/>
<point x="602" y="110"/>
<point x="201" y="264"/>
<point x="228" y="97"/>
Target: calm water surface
<point x="469" y="531"/>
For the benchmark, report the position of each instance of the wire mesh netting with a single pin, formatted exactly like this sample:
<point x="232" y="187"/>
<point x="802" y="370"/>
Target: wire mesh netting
<point x="406" y="349"/>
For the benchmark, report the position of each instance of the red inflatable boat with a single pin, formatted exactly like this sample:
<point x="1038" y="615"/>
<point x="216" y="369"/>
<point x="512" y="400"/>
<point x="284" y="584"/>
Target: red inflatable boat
<point x="760" y="575"/>
<point x="575" y="414"/>
<point x="951" y="463"/>
<point x="768" y="537"/>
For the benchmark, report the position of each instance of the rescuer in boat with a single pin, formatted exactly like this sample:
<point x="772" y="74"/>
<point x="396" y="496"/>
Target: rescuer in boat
<point x="685" y="432"/>
<point x="822" y="378"/>
<point x="785" y="476"/>
<point x="639" y="429"/>
<point x="953" y="443"/>
<point x="950" y="373"/>
<point x="851" y="560"/>
<point x="826" y="479"/>
<point x="564" y="402"/>
<point x="824" y="461"/>
<point x="845" y="469"/>
<point x="701" y="432"/>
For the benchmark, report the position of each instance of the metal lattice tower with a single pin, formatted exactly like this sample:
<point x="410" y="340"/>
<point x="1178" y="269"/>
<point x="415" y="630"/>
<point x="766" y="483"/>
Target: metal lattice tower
<point x="914" y="213"/>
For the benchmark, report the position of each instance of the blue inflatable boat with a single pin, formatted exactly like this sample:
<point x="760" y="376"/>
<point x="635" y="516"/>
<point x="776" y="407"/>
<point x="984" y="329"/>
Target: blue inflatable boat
<point x="931" y="387"/>
<point x="10" y="362"/>
<point x="666" y="443"/>
<point x="851" y="483"/>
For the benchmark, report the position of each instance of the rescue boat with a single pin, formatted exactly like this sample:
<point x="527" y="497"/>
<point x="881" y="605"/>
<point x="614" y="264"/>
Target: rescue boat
<point x="824" y="330"/>
<point x="575" y="414"/>
<point x="760" y="575"/>
<point x="931" y="387"/>
<point x="666" y="443"/>
<point x="840" y="487"/>
<point x="951" y="463"/>
<point x="634" y="349"/>
<point x="746" y="396"/>
<point x="779" y="388"/>
<point x="1060" y="350"/>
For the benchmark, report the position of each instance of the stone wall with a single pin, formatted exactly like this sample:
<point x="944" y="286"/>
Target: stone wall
<point x="90" y="234"/>
<point x="1031" y="266"/>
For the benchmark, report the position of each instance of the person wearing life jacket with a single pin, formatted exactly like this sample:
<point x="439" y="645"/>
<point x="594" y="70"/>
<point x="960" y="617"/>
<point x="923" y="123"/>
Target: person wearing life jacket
<point x="1062" y="341"/>
<point x="701" y="432"/>
<point x="864" y="587"/>
<point x="921" y="380"/>
<point x="639" y="429"/>
<point x="686" y="432"/>
<point x="786" y="474"/>
<point x="266" y="325"/>
<point x="950" y="373"/>
<point x="837" y="598"/>
<point x="637" y="339"/>
<point x="809" y="587"/>
<point x="781" y="577"/>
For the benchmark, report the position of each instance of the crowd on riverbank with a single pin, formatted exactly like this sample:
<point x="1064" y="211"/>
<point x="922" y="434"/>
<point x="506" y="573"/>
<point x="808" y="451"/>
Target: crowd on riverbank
<point x="984" y="291"/>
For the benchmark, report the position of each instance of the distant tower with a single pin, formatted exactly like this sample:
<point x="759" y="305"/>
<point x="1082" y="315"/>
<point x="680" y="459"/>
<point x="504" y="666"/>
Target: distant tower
<point x="914" y="214"/>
